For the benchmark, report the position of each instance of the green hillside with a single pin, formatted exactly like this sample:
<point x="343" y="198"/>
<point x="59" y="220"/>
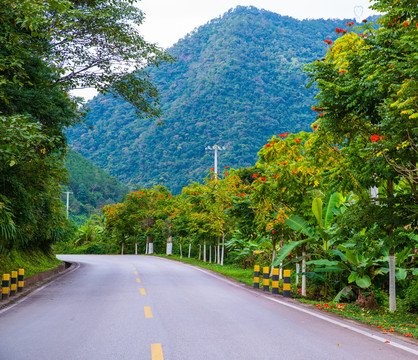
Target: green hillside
<point x="91" y="187"/>
<point x="236" y="82"/>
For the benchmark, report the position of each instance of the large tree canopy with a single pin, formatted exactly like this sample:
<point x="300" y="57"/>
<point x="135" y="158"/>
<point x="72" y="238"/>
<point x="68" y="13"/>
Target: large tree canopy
<point x="86" y="44"/>
<point x="48" y="48"/>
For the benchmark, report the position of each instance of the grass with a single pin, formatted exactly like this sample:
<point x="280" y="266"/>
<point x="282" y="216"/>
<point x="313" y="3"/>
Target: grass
<point x="401" y="321"/>
<point x="33" y="262"/>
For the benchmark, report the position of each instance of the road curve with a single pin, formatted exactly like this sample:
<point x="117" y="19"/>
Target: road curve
<point x="144" y="307"/>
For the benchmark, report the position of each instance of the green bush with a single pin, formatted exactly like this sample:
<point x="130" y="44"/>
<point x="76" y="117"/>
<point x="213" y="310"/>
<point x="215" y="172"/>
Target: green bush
<point x="411" y="296"/>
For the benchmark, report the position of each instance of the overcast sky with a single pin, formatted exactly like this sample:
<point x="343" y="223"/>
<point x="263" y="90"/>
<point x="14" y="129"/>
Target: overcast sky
<point x="167" y="21"/>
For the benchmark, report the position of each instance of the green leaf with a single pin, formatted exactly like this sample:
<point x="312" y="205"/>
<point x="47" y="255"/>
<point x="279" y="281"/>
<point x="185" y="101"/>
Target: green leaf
<point x="353" y="277"/>
<point x="317" y="210"/>
<point x="322" y="262"/>
<point x="344" y="292"/>
<point x="364" y="281"/>
<point x="298" y="224"/>
<point x="328" y="214"/>
<point x="401" y="274"/>
<point x="352" y="257"/>
<point x="286" y="250"/>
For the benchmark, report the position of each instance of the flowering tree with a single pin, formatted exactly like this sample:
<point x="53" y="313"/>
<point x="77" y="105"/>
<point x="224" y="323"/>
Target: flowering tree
<point x="368" y="94"/>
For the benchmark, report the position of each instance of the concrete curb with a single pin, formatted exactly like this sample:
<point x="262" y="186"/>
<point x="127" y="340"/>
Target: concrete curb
<point x="36" y="281"/>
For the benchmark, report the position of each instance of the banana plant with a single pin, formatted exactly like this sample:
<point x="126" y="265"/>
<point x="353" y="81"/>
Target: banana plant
<point x="321" y="233"/>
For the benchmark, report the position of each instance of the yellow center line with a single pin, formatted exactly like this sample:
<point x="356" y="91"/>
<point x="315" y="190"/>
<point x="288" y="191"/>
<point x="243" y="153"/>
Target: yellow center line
<point x="147" y="311"/>
<point x="138" y="280"/>
<point x="156" y="352"/>
<point x="142" y="291"/>
<point x="136" y="272"/>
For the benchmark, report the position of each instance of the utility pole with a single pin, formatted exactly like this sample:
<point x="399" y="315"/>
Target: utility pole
<point x="215" y="148"/>
<point x="68" y="200"/>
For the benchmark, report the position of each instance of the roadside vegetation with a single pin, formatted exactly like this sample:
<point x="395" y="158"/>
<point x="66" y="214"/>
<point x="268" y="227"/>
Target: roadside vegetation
<point x="336" y="205"/>
<point x="49" y="48"/>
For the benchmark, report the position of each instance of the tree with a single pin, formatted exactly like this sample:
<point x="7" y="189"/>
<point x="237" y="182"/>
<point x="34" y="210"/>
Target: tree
<point x="85" y="44"/>
<point x="368" y="96"/>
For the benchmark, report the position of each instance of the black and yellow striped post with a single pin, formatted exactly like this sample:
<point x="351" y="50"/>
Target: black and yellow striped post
<point x="286" y="283"/>
<point x="266" y="280"/>
<point x="13" y="283"/>
<point x="256" y="276"/>
<point x="275" y="282"/>
<point x="20" y="280"/>
<point x="5" y="286"/>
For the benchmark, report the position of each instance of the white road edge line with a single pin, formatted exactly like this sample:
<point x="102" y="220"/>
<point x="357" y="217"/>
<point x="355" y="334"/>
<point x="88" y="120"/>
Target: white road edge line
<point x="325" y="318"/>
<point x="37" y="290"/>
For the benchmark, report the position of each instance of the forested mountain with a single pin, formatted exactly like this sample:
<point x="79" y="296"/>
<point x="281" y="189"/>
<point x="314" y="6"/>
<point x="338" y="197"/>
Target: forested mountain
<point x="237" y="81"/>
<point x="91" y="187"/>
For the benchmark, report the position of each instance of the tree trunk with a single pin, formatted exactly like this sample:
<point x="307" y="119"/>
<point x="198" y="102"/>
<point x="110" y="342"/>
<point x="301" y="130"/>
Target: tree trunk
<point x="150" y="244"/>
<point x="281" y="264"/>
<point x="210" y="254"/>
<point x="123" y="245"/>
<point x="392" y="281"/>
<point x="223" y="249"/>
<point x="219" y="251"/>
<point x="181" y="252"/>
<point x="136" y="245"/>
<point x="303" y="270"/>
<point x="297" y="273"/>
<point x="190" y="249"/>
<point x="204" y="251"/>
<point x="169" y="246"/>
<point x="273" y="256"/>
<point x="200" y="251"/>
<point x="146" y="247"/>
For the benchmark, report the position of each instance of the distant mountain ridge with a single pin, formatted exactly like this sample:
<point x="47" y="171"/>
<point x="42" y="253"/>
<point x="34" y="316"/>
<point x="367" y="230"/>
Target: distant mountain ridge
<point x="237" y="81"/>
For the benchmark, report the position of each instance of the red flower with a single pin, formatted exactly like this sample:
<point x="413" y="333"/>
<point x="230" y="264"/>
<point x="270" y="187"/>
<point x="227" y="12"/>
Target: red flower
<point x="276" y="176"/>
<point x="212" y="169"/>
<point x="408" y="335"/>
<point x="374" y="138"/>
<point x="321" y="114"/>
<point x="406" y="23"/>
<point x="294" y="172"/>
<point x="283" y="163"/>
<point x="255" y="175"/>
<point x="297" y="140"/>
<point x="226" y="167"/>
<point x="341" y="72"/>
<point x="329" y="42"/>
<point x="272" y="231"/>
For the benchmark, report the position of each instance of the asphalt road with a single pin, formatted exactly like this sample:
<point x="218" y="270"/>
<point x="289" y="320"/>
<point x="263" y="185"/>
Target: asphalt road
<point x="142" y="307"/>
